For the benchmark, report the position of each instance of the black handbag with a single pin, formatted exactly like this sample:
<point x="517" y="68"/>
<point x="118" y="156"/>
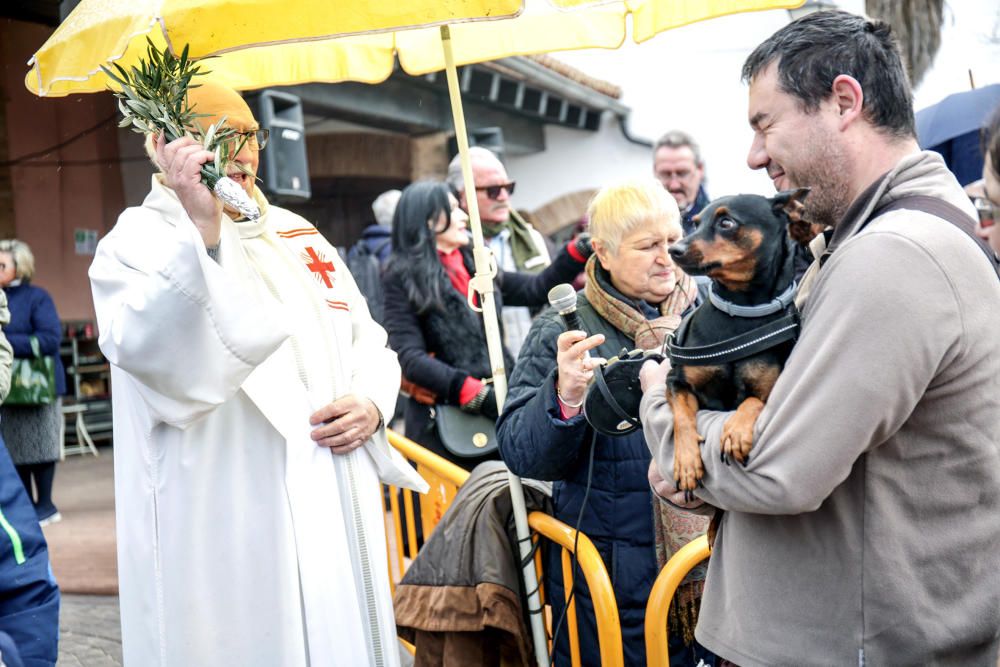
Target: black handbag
<point x="32" y="380"/>
<point x="463" y="434"/>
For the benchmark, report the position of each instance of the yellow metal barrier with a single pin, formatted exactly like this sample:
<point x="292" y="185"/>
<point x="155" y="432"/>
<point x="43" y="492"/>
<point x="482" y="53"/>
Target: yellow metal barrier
<point x="670" y="577"/>
<point x="444" y="478"/>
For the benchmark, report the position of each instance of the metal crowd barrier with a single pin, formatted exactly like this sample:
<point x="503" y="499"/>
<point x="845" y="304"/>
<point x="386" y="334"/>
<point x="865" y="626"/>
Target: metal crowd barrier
<point x="444" y="479"/>
<point x="658" y="605"/>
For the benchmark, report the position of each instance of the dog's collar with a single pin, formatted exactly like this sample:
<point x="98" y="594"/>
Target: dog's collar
<point x="778" y="304"/>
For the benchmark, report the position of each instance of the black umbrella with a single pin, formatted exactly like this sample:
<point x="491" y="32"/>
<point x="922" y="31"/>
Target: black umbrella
<point x="951" y="128"/>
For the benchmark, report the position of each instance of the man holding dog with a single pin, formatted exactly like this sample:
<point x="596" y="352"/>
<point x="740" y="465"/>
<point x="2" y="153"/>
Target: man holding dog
<point x="865" y="526"/>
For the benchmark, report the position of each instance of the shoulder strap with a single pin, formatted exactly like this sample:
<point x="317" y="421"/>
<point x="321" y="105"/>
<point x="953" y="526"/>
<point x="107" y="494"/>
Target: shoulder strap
<point x="944" y="210"/>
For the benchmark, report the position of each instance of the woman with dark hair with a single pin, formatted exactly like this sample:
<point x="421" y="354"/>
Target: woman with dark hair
<point x="989" y="206"/>
<point x="440" y="340"/>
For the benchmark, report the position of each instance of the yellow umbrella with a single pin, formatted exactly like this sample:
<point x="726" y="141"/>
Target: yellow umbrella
<point x="98" y="32"/>
<point x="267" y="43"/>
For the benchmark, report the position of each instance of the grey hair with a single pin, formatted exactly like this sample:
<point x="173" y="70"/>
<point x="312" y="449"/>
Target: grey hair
<point x="24" y="260"/>
<point x="454" y="179"/>
<point x="679" y="139"/>
<point x="384" y="207"/>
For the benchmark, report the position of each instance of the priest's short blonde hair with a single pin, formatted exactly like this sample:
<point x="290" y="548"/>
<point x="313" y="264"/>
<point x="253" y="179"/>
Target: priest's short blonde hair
<point x="620" y="208"/>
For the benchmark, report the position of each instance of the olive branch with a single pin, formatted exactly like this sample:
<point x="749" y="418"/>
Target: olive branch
<point x="153" y="98"/>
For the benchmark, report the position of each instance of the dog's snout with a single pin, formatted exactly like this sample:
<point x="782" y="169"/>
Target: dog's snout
<point x="678" y="249"/>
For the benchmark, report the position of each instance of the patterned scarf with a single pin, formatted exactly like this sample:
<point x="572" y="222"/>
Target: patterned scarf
<point x="627" y="316"/>
<point x="672" y="526"/>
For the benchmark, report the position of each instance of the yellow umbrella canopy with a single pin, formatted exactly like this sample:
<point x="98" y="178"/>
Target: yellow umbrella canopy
<point x="98" y="32"/>
<point x="261" y="43"/>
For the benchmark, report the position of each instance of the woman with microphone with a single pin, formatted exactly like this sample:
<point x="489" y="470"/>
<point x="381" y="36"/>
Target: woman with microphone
<point x="633" y="298"/>
<point x="440" y="340"/>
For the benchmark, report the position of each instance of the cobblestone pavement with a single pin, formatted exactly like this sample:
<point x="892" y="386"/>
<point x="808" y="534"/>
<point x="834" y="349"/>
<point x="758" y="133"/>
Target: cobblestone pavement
<point x="90" y="634"/>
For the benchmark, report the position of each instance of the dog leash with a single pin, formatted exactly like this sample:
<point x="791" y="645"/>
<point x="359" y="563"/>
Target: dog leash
<point x="735" y="348"/>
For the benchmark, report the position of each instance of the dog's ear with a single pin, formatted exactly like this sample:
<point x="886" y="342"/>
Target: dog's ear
<point x="790" y="201"/>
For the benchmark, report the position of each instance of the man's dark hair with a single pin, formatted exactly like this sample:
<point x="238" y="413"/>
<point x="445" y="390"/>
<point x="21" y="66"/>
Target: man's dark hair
<point x="814" y="50"/>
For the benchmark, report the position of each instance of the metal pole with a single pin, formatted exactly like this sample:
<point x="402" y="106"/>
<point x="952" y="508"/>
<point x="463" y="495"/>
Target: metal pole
<point x="483" y="284"/>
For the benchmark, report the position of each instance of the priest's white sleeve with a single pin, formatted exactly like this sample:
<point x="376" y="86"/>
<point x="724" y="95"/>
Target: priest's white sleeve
<point x="170" y="317"/>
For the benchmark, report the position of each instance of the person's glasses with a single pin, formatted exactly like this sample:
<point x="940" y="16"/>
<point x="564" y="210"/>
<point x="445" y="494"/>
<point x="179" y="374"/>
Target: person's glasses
<point x="987" y="212"/>
<point x="256" y="139"/>
<point x="493" y="191"/>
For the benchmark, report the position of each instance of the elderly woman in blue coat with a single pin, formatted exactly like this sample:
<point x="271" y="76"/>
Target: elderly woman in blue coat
<point x="32" y="431"/>
<point x="633" y="297"/>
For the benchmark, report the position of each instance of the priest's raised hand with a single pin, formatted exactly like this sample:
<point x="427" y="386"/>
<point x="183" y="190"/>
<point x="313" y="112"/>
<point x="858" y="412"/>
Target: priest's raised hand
<point x="180" y="162"/>
<point x="345" y="424"/>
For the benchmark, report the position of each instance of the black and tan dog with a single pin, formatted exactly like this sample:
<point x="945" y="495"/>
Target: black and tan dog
<point x="728" y="353"/>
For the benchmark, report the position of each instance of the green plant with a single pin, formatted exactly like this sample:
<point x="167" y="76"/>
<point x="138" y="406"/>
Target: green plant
<point x="153" y="98"/>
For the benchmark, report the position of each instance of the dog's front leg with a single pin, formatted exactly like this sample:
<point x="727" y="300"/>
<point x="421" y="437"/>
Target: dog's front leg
<point x="737" y="432"/>
<point x="688" y="466"/>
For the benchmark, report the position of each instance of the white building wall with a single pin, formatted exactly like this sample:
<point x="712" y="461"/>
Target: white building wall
<point x="689" y="79"/>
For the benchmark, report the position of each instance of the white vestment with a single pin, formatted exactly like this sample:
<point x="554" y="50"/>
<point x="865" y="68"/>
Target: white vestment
<point x="240" y="541"/>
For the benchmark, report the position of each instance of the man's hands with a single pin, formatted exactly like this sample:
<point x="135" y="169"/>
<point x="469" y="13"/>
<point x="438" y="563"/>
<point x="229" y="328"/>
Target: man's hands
<point x="181" y="161"/>
<point x="652" y="373"/>
<point x="668" y="489"/>
<point x="345" y="424"/>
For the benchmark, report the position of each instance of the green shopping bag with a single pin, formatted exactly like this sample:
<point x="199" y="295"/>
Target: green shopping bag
<point x="33" y="380"/>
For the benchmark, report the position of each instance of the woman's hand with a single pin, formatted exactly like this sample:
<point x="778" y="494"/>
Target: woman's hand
<point x="575" y="368"/>
<point x="181" y="161"/>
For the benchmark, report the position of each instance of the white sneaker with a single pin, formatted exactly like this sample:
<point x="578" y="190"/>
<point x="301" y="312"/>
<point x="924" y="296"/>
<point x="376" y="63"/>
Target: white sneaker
<point x="52" y="518"/>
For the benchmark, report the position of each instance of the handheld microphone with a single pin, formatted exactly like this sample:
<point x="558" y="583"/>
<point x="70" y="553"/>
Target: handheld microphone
<point x="562" y="297"/>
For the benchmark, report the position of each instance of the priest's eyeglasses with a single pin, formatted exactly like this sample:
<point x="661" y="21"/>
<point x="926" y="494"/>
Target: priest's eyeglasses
<point x="256" y="139"/>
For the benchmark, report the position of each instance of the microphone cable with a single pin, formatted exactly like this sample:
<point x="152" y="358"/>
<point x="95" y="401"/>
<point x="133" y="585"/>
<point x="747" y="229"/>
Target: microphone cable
<point x="576" y="541"/>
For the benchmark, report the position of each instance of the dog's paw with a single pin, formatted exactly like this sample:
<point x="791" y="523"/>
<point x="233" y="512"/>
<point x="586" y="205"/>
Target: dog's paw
<point x="688" y="466"/>
<point x="737" y="436"/>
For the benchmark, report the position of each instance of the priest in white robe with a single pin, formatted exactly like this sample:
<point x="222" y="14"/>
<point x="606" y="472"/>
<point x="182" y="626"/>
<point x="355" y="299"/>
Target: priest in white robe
<point x="249" y="390"/>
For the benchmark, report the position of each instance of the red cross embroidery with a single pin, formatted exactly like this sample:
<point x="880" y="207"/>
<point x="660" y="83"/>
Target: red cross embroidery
<point x="320" y="267"/>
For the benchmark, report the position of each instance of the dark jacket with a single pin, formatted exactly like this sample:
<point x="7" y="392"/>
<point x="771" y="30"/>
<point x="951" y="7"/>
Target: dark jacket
<point x="378" y="238"/>
<point x="438" y="350"/>
<point x="700" y="202"/>
<point x="536" y="443"/>
<point x="32" y="313"/>
<point x="29" y="597"/>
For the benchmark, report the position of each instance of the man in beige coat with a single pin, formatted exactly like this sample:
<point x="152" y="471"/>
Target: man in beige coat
<point x="865" y="528"/>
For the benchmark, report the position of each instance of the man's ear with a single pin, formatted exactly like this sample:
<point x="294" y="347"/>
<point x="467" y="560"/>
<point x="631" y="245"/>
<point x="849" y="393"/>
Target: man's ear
<point x="790" y="201"/>
<point x="849" y="97"/>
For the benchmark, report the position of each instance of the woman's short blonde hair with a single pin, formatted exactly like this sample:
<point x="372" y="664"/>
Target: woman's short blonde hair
<point x="619" y="209"/>
<point x="24" y="260"/>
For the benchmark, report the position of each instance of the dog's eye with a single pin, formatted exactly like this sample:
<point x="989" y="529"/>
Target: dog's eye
<point x="726" y="224"/>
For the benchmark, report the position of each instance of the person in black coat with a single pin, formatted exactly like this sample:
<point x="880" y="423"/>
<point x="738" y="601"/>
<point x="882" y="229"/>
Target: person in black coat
<point x="440" y="340"/>
<point x="634" y="296"/>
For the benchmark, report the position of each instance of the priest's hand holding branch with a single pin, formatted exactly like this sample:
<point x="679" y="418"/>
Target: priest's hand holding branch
<point x="345" y="424"/>
<point x="181" y="161"/>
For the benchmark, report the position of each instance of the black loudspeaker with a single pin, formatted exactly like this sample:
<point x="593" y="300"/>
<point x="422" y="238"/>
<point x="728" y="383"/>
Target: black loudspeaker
<point x="487" y="137"/>
<point x="283" y="170"/>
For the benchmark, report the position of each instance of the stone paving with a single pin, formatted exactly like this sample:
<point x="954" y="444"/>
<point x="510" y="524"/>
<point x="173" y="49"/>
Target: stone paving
<point x="90" y="633"/>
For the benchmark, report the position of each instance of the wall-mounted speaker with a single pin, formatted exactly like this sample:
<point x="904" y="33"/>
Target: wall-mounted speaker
<point x="283" y="170"/>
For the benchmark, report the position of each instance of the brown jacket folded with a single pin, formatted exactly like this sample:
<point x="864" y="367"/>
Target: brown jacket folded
<point x="460" y="601"/>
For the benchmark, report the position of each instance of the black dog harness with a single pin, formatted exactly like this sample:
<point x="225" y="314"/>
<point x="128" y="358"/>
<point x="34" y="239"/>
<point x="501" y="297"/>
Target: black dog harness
<point x="746" y="344"/>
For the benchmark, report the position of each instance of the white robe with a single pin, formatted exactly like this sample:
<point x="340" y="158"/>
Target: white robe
<point x="241" y="542"/>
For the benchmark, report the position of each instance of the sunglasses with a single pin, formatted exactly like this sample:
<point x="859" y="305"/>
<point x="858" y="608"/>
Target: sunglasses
<point x="493" y="191"/>
<point x="987" y="212"/>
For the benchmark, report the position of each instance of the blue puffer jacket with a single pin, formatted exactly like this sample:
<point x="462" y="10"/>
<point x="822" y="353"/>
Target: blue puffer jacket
<point x="535" y="442"/>
<point x="29" y="597"/>
<point x="32" y="313"/>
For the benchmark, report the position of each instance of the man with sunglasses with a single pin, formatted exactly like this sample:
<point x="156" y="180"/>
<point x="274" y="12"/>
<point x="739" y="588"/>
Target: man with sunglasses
<point x="250" y="385"/>
<point x="516" y="244"/>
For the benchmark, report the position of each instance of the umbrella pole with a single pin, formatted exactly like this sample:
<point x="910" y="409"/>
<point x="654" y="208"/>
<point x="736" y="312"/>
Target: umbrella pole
<point x="483" y="284"/>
